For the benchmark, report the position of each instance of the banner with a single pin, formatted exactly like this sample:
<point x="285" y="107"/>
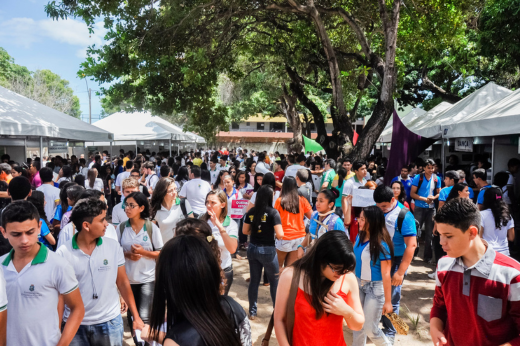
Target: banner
<point x="362" y="197"/>
<point x="58" y="147"/>
<point x="464" y="144"/>
<point x="311" y="145"/>
<point x="238" y="208"/>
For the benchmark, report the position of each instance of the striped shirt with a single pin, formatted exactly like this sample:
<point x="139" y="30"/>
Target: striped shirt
<point x="479" y="305"/>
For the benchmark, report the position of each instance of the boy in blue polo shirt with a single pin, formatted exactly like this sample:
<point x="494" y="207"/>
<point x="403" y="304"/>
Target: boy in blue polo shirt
<point x="400" y="224"/>
<point x="425" y="190"/>
<point x="450" y="179"/>
<point x="479" y="178"/>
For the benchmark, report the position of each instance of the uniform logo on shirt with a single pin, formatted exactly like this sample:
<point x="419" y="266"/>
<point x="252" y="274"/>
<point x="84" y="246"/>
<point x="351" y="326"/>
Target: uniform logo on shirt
<point x="105" y="262"/>
<point x="200" y="186"/>
<point x="145" y="238"/>
<point x="31" y="288"/>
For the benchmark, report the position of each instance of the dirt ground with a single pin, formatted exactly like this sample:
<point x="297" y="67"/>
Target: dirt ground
<point x="417" y="299"/>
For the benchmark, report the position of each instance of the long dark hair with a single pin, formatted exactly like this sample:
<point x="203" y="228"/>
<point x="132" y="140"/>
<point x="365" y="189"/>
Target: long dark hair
<point x="257" y="186"/>
<point x="67" y="172"/>
<point x="92" y="175"/>
<point x="375" y="228"/>
<point x="402" y="196"/>
<point x="158" y="195"/>
<point x="333" y="247"/>
<point x="142" y="201"/>
<point x="219" y="178"/>
<point x="37" y="198"/>
<point x="237" y="180"/>
<point x="290" y="197"/>
<point x="454" y="193"/>
<point x="264" y="199"/>
<point x="63" y="197"/>
<point x="269" y="179"/>
<point x="493" y="200"/>
<point x="198" y="298"/>
<point x="74" y="193"/>
<point x="342" y="174"/>
<point x="182" y="174"/>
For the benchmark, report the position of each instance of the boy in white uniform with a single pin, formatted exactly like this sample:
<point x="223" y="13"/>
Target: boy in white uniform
<point x="128" y="186"/>
<point x="35" y="279"/>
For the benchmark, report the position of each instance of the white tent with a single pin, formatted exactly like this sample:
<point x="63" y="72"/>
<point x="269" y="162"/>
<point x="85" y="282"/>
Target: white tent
<point x="20" y="116"/>
<point x="140" y="127"/>
<point x="499" y="118"/>
<point x="386" y="135"/>
<point x="460" y="111"/>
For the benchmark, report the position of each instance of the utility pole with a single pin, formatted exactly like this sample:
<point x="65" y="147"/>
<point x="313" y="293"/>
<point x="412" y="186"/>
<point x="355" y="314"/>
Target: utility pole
<point x="89" y="106"/>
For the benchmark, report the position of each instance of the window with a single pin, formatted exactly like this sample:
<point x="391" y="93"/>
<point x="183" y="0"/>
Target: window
<point x="277" y="127"/>
<point x="248" y="124"/>
<point x="260" y="126"/>
<point x="235" y="126"/>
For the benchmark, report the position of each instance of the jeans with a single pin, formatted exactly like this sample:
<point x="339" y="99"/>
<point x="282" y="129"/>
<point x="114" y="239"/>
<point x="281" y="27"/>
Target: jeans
<point x="109" y="333"/>
<point x="372" y="296"/>
<point x="258" y="257"/>
<point x="388" y="327"/>
<point x="143" y="295"/>
<point x="228" y="274"/>
<point x="242" y="238"/>
<point x="425" y="216"/>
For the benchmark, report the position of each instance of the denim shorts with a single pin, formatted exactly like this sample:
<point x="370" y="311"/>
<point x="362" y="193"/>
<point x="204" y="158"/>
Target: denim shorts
<point x="288" y="245"/>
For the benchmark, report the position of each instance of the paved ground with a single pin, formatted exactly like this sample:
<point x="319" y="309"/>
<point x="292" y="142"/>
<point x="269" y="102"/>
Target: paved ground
<point x="418" y="292"/>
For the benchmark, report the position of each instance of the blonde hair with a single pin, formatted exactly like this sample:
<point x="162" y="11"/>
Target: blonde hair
<point x="129" y="183"/>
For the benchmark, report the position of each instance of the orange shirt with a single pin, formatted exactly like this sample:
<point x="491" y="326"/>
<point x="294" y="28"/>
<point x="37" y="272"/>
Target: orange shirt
<point x="293" y="226"/>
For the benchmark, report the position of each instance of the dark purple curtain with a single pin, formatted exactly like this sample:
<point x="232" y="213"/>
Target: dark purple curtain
<point x="405" y="147"/>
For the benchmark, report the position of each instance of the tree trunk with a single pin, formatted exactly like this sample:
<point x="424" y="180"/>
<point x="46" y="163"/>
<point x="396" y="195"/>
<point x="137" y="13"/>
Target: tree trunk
<point x="288" y="108"/>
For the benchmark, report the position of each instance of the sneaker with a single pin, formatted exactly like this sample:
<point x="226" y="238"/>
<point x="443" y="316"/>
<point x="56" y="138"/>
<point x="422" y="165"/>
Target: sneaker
<point x="432" y="275"/>
<point x="252" y="317"/>
<point x="267" y="284"/>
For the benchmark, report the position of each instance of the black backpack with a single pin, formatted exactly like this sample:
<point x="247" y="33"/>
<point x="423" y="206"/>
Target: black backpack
<point x="400" y="220"/>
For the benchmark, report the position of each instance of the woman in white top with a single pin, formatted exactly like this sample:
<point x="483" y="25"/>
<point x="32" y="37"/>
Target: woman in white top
<point x="93" y="182"/>
<point x="141" y="241"/>
<point x="243" y="186"/>
<point x="232" y="194"/>
<point x="224" y="229"/>
<point x="268" y="179"/>
<point x="498" y="226"/>
<point x="65" y="174"/>
<point x="166" y="208"/>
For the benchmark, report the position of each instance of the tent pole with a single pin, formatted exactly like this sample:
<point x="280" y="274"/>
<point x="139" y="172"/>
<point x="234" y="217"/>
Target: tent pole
<point x="443" y="158"/>
<point x="111" y="155"/>
<point x="492" y="159"/>
<point x="41" y="150"/>
<point x="25" y="148"/>
<point x="170" y="146"/>
<point x="135" y="148"/>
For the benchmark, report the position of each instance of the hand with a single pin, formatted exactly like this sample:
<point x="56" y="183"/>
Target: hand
<point x="438" y="337"/>
<point x="334" y="304"/>
<point x="124" y="306"/>
<point x="387" y="308"/>
<point x="132" y="256"/>
<point x="138" y="324"/>
<point x="145" y="333"/>
<point x="397" y="279"/>
<point x="137" y="249"/>
<point x="213" y="217"/>
<point x="300" y="252"/>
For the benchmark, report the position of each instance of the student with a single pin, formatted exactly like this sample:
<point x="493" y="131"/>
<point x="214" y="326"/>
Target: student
<point x="399" y="194"/>
<point x="213" y="170"/>
<point x="316" y="180"/>
<point x="242" y="185"/>
<point x="129" y="165"/>
<point x="293" y="168"/>
<point x="279" y="173"/>
<point x="406" y="180"/>
<point x="37" y="198"/>
<point x="425" y="190"/>
<point x="338" y="184"/>
<point x="224" y="229"/>
<point x="232" y="194"/>
<point x="328" y="176"/>
<point x="462" y="179"/>
<point x="62" y="208"/>
<point x="3" y="310"/>
<point x="400" y="224"/>
<point x="93" y="182"/>
<point x="35" y="280"/>
<point x="350" y="213"/>
<point x="141" y="241"/>
<point x="195" y="191"/>
<point x="263" y="223"/>
<point x="151" y="176"/>
<point x="479" y="178"/>
<point x="51" y="193"/>
<point x="304" y="186"/>
<point x="128" y="186"/>
<point x="99" y="266"/>
<point x="475" y="301"/>
<point x="459" y="190"/>
<point x="450" y="179"/>
<point x="374" y="252"/>
<point x="498" y="226"/>
<point x="219" y="184"/>
<point x="292" y="208"/>
<point x="262" y="166"/>
<point x="65" y="174"/>
<point x="74" y="193"/>
<point x="196" y="313"/>
<point x="182" y="177"/>
<point x="324" y="281"/>
<point x="167" y="209"/>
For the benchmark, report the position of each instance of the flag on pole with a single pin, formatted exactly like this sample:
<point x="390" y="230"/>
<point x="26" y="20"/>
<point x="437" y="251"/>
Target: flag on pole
<point x="311" y="145"/>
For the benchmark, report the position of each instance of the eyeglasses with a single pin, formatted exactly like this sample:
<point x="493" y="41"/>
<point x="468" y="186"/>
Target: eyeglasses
<point x="131" y="206"/>
<point x="338" y="271"/>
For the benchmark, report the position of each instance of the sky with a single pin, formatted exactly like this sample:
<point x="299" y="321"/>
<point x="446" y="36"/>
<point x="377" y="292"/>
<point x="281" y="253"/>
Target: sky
<point x="38" y="42"/>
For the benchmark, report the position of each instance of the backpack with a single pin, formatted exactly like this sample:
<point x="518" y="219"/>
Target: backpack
<point x="400" y="220"/>
<point x="421" y="178"/>
<point x="330" y="224"/>
<point x="147" y="226"/>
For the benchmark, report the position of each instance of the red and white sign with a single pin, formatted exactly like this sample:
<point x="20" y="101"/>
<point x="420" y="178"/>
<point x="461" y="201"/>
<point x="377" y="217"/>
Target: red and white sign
<point x="238" y="208"/>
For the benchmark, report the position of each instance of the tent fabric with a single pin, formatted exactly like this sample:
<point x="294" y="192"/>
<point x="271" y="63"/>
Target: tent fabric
<point x="499" y="118"/>
<point x="415" y="124"/>
<point x="20" y="116"/>
<point x="386" y="135"/>
<point x="460" y="111"/>
<point x="311" y="145"/>
<point x="140" y="126"/>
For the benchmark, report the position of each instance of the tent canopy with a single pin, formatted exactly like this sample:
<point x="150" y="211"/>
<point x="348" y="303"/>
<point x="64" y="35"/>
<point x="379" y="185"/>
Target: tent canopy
<point x="20" y="116"/>
<point x="386" y="135"/>
<point x="459" y="112"/>
<point x="499" y="118"/>
<point x="140" y="126"/>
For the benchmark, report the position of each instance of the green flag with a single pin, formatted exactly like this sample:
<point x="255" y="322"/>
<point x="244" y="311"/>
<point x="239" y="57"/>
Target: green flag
<point x="311" y="145"/>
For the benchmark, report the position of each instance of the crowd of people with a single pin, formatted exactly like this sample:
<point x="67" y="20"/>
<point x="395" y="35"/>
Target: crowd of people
<point x="86" y="240"/>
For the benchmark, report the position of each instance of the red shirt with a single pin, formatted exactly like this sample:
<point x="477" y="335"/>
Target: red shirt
<point x="479" y="305"/>
<point x="278" y="176"/>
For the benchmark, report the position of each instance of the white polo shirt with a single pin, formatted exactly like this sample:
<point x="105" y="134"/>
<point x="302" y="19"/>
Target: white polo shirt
<point x="96" y="275"/>
<point x="120" y="177"/>
<point x="143" y="270"/>
<point x="3" y="292"/>
<point x="291" y="171"/>
<point x="195" y="192"/>
<point x="351" y="184"/>
<point x="231" y="228"/>
<point x="69" y="230"/>
<point x="167" y="219"/>
<point x="214" y="175"/>
<point x="118" y="214"/>
<point x="151" y="180"/>
<point x="52" y="194"/>
<point x="33" y="297"/>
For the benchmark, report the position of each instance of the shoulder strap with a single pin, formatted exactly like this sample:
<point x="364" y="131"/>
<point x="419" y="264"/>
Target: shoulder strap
<point x="121" y="230"/>
<point x="400" y="218"/>
<point x="289" y="321"/>
<point x="183" y="207"/>
<point x="332" y="221"/>
<point x="149" y="229"/>
<point x="421" y="178"/>
<point x="268" y="332"/>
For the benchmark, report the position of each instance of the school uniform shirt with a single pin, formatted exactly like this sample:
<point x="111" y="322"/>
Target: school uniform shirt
<point x="262" y="167"/>
<point x="478" y="305"/>
<point x="351" y="184"/>
<point x="316" y="184"/>
<point x="120" y="177"/>
<point x="167" y="219"/>
<point x="214" y="175"/>
<point x="234" y="196"/>
<point x="290" y="171"/>
<point x="98" y="185"/>
<point x="44" y="230"/>
<point x="96" y="275"/>
<point x="231" y="228"/>
<point x="408" y="229"/>
<point x="57" y="215"/>
<point x="317" y="230"/>
<point x="51" y="195"/>
<point x="275" y="197"/>
<point x="443" y="195"/>
<point x="70" y="230"/>
<point x="480" y="198"/>
<point x="3" y="292"/>
<point x="118" y="213"/>
<point x="152" y="180"/>
<point x="496" y="237"/>
<point x="328" y="177"/>
<point x="33" y="295"/>
<point x="365" y="267"/>
<point x="195" y="191"/>
<point x="245" y="189"/>
<point x="427" y="189"/>
<point x="142" y="270"/>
